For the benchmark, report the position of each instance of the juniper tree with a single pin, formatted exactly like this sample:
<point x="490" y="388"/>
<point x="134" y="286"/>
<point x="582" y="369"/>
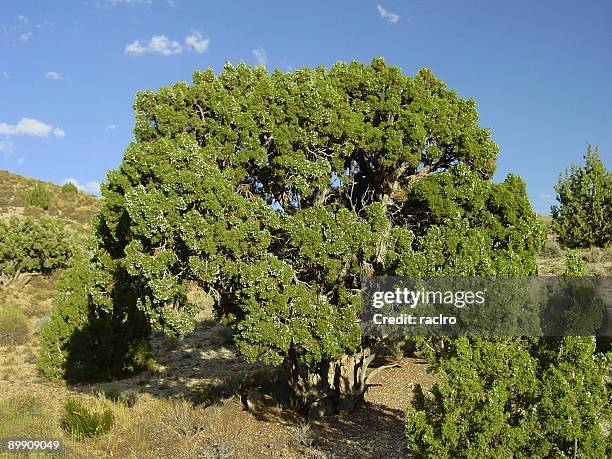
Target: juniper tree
<point x="276" y="192"/>
<point x="582" y="217"/>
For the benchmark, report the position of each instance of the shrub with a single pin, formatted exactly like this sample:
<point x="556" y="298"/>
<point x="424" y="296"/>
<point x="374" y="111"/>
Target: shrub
<point x="69" y="188"/>
<point x="514" y="397"/>
<point x="574" y="264"/>
<point x="91" y="336"/>
<point x="14" y="328"/>
<point x="552" y="249"/>
<point x="582" y="217"/>
<point x="39" y="197"/>
<point x="31" y="244"/>
<point x="82" y="423"/>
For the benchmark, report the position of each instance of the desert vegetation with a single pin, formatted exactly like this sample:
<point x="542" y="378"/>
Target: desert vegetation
<point x="212" y="307"/>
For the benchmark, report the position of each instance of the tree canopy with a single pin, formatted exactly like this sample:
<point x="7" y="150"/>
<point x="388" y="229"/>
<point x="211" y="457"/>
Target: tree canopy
<point x="276" y="192"/>
<point x="583" y="215"/>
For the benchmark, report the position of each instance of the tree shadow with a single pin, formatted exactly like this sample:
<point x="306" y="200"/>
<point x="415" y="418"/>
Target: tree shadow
<point x="372" y="431"/>
<point x="203" y="367"/>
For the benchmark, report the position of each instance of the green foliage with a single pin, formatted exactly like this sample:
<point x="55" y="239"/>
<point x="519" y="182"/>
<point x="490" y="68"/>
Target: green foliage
<point x="30" y="244"/>
<point x="89" y="336"/>
<point x="517" y="397"/>
<point x="83" y="423"/>
<point x="514" y="397"/>
<point x="574" y="264"/>
<point x="69" y="188"/>
<point x="584" y="214"/>
<point x="14" y="327"/>
<point x="39" y="197"/>
<point x="276" y="192"/>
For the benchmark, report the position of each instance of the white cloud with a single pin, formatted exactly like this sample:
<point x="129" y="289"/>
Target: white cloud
<point x="25" y="37"/>
<point x="31" y="126"/>
<point x="546" y="197"/>
<point x="110" y="127"/>
<point x="260" y="55"/>
<point x="121" y="2"/>
<point x="7" y="148"/>
<point x="388" y="15"/>
<point x="91" y="187"/>
<point x="23" y="19"/>
<point x="196" y="42"/>
<point x="53" y="76"/>
<point x="159" y="44"/>
<point x="5" y="75"/>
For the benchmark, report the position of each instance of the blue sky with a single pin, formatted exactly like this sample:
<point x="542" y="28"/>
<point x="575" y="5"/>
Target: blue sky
<point x="540" y="71"/>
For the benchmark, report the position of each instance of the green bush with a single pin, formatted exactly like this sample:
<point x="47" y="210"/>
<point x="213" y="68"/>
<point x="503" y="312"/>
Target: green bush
<point x="582" y="217"/>
<point x="39" y="197"/>
<point x="89" y="335"/>
<point x="14" y="328"/>
<point x="514" y="397"/>
<point x="574" y="264"/>
<point x="84" y="423"/>
<point x="69" y="188"/>
<point x="31" y="244"/>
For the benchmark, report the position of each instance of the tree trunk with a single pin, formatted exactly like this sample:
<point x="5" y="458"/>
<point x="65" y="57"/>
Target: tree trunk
<point x="333" y="386"/>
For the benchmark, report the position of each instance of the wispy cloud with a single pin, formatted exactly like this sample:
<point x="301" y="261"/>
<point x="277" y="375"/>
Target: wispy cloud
<point x="31" y="127"/>
<point x="546" y="197"/>
<point x="5" y="75"/>
<point x="100" y="3"/>
<point x="260" y="55"/>
<point x="53" y="76"/>
<point x="196" y="42"/>
<point x="388" y="15"/>
<point x="7" y="148"/>
<point x="110" y="127"/>
<point x="159" y="44"/>
<point x="92" y="187"/>
<point x="25" y="37"/>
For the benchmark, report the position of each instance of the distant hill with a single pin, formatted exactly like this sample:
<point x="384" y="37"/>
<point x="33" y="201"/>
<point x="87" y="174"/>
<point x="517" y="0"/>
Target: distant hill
<point x="76" y="208"/>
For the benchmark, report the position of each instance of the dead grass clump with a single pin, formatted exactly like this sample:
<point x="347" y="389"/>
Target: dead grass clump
<point x="118" y="392"/>
<point x="592" y="255"/>
<point x="181" y="418"/>
<point x="606" y="256"/>
<point x="14" y="327"/>
<point x="552" y="249"/>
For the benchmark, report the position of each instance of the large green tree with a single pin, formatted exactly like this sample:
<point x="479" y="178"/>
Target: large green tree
<point x="583" y="216"/>
<point x="277" y="192"/>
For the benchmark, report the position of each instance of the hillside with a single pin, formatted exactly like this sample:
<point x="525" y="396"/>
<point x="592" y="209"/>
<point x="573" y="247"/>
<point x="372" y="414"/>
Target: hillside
<point x="76" y="208"/>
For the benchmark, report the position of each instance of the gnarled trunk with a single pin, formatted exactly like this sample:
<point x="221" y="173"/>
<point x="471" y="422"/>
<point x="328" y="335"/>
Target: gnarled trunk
<point x="333" y="386"/>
